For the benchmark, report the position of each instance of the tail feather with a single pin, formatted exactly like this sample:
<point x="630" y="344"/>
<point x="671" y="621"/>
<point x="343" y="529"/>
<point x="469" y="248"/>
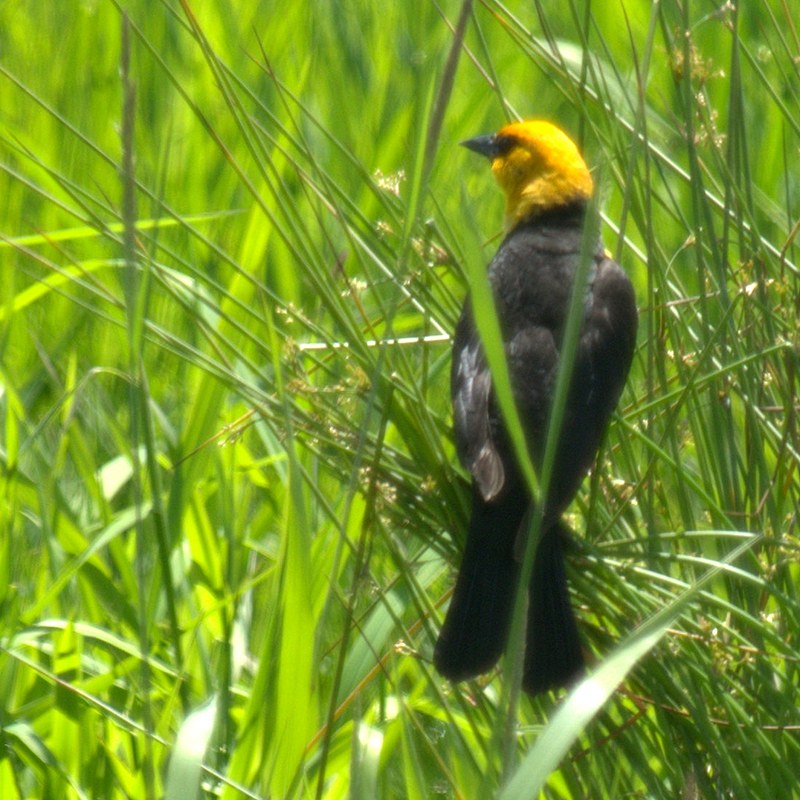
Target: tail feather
<point x="475" y="629"/>
<point x="553" y="655"/>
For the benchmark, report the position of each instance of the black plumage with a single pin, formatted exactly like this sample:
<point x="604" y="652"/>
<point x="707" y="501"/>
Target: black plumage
<point x="531" y="278"/>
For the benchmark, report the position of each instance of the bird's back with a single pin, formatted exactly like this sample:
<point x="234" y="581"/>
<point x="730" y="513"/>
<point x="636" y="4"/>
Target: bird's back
<point x="532" y="273"/>
<point x="532" y="276"/>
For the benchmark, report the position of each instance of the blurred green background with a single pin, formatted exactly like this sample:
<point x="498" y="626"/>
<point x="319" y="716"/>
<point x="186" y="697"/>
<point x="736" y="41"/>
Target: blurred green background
<point x="230" y="510"/>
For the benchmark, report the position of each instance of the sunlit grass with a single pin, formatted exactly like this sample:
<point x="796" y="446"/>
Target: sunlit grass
<point x="228" y="485"/>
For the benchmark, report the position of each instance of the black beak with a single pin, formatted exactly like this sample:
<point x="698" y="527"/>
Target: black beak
<point x="485" y="145"/>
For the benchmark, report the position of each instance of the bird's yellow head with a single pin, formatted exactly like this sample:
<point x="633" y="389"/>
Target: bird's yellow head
<point x="537" y="166"/>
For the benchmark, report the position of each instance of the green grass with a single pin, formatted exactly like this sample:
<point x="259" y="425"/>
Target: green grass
<point x="230" y="508"/>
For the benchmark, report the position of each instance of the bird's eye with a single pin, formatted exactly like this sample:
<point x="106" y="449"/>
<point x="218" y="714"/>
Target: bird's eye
<point x="504" y="144"/>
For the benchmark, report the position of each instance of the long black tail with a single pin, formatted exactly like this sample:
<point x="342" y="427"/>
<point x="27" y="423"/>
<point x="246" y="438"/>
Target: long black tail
<point x="475" y="629"/>
<point x="553" y="656"/>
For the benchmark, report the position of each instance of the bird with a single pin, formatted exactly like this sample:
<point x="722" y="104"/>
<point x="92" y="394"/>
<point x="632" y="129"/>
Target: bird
<point x="547" y="188"/>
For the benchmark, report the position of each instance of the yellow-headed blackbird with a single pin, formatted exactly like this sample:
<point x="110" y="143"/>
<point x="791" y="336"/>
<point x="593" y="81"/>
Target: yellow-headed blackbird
<point x="547" y="187"/>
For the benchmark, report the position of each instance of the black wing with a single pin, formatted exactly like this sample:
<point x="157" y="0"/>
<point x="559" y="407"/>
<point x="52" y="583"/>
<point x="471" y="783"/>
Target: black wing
<point x="474" y="419"/>
<point x="605" y="352"/>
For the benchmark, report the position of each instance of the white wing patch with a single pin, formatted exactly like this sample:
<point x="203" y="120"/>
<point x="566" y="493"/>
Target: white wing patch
<point x="473" y="428"/>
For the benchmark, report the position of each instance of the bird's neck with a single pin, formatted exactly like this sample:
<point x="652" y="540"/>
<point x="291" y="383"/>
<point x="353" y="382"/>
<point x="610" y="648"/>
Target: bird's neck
<point x="571" y="213"/>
